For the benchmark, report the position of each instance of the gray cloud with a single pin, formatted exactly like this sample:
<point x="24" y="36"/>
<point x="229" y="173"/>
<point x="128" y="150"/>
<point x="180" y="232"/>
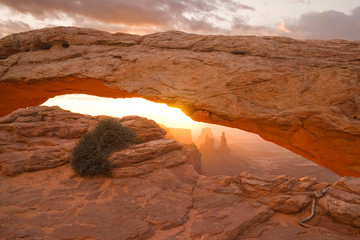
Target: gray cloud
<point x="9" y="27"/>
<point x="162" y="13"/>
<point x="327" y="25"/>
<point x="197" y="16"/>
<point x="239" y="26"/>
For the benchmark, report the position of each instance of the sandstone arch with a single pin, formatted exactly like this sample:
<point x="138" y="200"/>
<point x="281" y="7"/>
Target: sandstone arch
<point x="302" y="95"/>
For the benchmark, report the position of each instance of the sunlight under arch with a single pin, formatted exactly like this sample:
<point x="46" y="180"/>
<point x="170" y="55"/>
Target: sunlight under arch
<point x="263" y="154"/>
<point x="92" y="105"/>
<point x="159" y="112"/>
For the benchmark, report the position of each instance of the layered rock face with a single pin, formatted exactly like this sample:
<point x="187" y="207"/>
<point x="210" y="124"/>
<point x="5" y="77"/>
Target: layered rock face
<point x="154" y="193"/>
<point x="302" y="95"/>
<point x="39" y="138"/>
<point x="343" y="200"/>
<point x="184" y="137"/>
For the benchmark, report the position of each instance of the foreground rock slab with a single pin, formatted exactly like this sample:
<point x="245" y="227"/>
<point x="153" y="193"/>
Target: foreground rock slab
<point x="168" y="203"/>
<point x="155" y="192"/>
<point x="343" y="201"/>
<point x="41" y="137"/>
<point x="302" y="95"/>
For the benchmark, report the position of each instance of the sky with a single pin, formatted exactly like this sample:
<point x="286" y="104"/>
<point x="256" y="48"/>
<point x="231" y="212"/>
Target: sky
<point x="159" y="112"/>
<point x="301" y="19"/>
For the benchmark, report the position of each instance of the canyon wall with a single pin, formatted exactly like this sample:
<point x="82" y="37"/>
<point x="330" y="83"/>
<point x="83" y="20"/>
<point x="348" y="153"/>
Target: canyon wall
<point x="302" y="95"/>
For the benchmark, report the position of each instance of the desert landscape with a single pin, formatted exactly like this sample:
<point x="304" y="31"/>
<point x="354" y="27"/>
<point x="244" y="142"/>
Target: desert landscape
<point x="241" y="151"/>
<point x="176" y="120"/>
<point x="154" y="191"/>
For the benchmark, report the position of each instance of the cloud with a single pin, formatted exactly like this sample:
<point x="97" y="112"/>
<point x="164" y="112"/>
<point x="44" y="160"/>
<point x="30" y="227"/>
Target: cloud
<point x="327" y="25"/>
<point x="240" y="26"/>
<point x="189" y="15"/>
<point x="9" y="27"/>
<point x="227" y="17"/>
<point x="282" y="27"/>
<point x="301" y="1"/>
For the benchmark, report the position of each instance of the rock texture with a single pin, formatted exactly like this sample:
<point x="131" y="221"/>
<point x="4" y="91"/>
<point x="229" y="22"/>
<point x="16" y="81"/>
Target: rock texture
<point x="302" y="95"/>
<point x="167" y="203"/>
<point x="183" y="136"/>
<point x="39" y="138"/>
<point x="195" y="157"/>
<point x="155" y="193"/>
<point x="343" y="201"/>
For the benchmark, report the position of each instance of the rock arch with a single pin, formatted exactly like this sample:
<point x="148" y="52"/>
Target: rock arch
<point x="302" y="95"/>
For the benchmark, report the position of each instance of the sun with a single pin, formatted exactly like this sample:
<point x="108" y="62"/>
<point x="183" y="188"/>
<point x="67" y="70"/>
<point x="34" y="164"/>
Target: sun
<point x="92" y="105"/>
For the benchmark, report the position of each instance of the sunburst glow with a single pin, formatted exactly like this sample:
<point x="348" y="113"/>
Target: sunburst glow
<point x="161" y="113"/>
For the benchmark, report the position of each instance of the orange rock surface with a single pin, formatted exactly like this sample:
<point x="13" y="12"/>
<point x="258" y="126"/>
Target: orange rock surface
<point x="302" y="95"/>
<point x="154" y="192"/>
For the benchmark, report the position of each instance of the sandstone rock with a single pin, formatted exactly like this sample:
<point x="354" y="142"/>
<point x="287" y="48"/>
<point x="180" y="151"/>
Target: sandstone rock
<point x="202" y="137"/>
<point x="343" y="201"/>
<point x="184" y="137"/>
<point x="349" y="184"/>
<point x="220" y="210"/>
<point x="292" y="204"/>
<point x="253" y="183"/>
<point x="147" y="157"/>
<point x="145" y="129"/>
<point x="281" y="193"/>
<point x="155" y="192"/>
<point x="181" y="135"/>
<point x="228" y="222"/>
<point x="194" y="156"/>
<point x="39" y="138"/>
<point x="167" y="203"/>
<point x="126" y="208"/>
<point x="208" y="147"/>
<point x="283" y="227"/>
<point x="151" y="189"/>
<point x="302" y="95"/>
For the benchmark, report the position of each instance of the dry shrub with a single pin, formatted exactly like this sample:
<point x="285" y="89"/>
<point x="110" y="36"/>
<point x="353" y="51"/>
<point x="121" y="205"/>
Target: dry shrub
<point x="90" y="155"/>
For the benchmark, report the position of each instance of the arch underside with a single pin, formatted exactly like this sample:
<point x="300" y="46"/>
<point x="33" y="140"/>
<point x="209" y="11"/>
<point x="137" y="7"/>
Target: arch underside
<point x="302" y="95"/>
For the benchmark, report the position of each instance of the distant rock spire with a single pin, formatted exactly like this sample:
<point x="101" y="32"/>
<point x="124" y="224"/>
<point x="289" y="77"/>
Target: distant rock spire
<point x="202" y="137"/>
<point x="223" y="148"/>
<point x="208" y="146"/>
